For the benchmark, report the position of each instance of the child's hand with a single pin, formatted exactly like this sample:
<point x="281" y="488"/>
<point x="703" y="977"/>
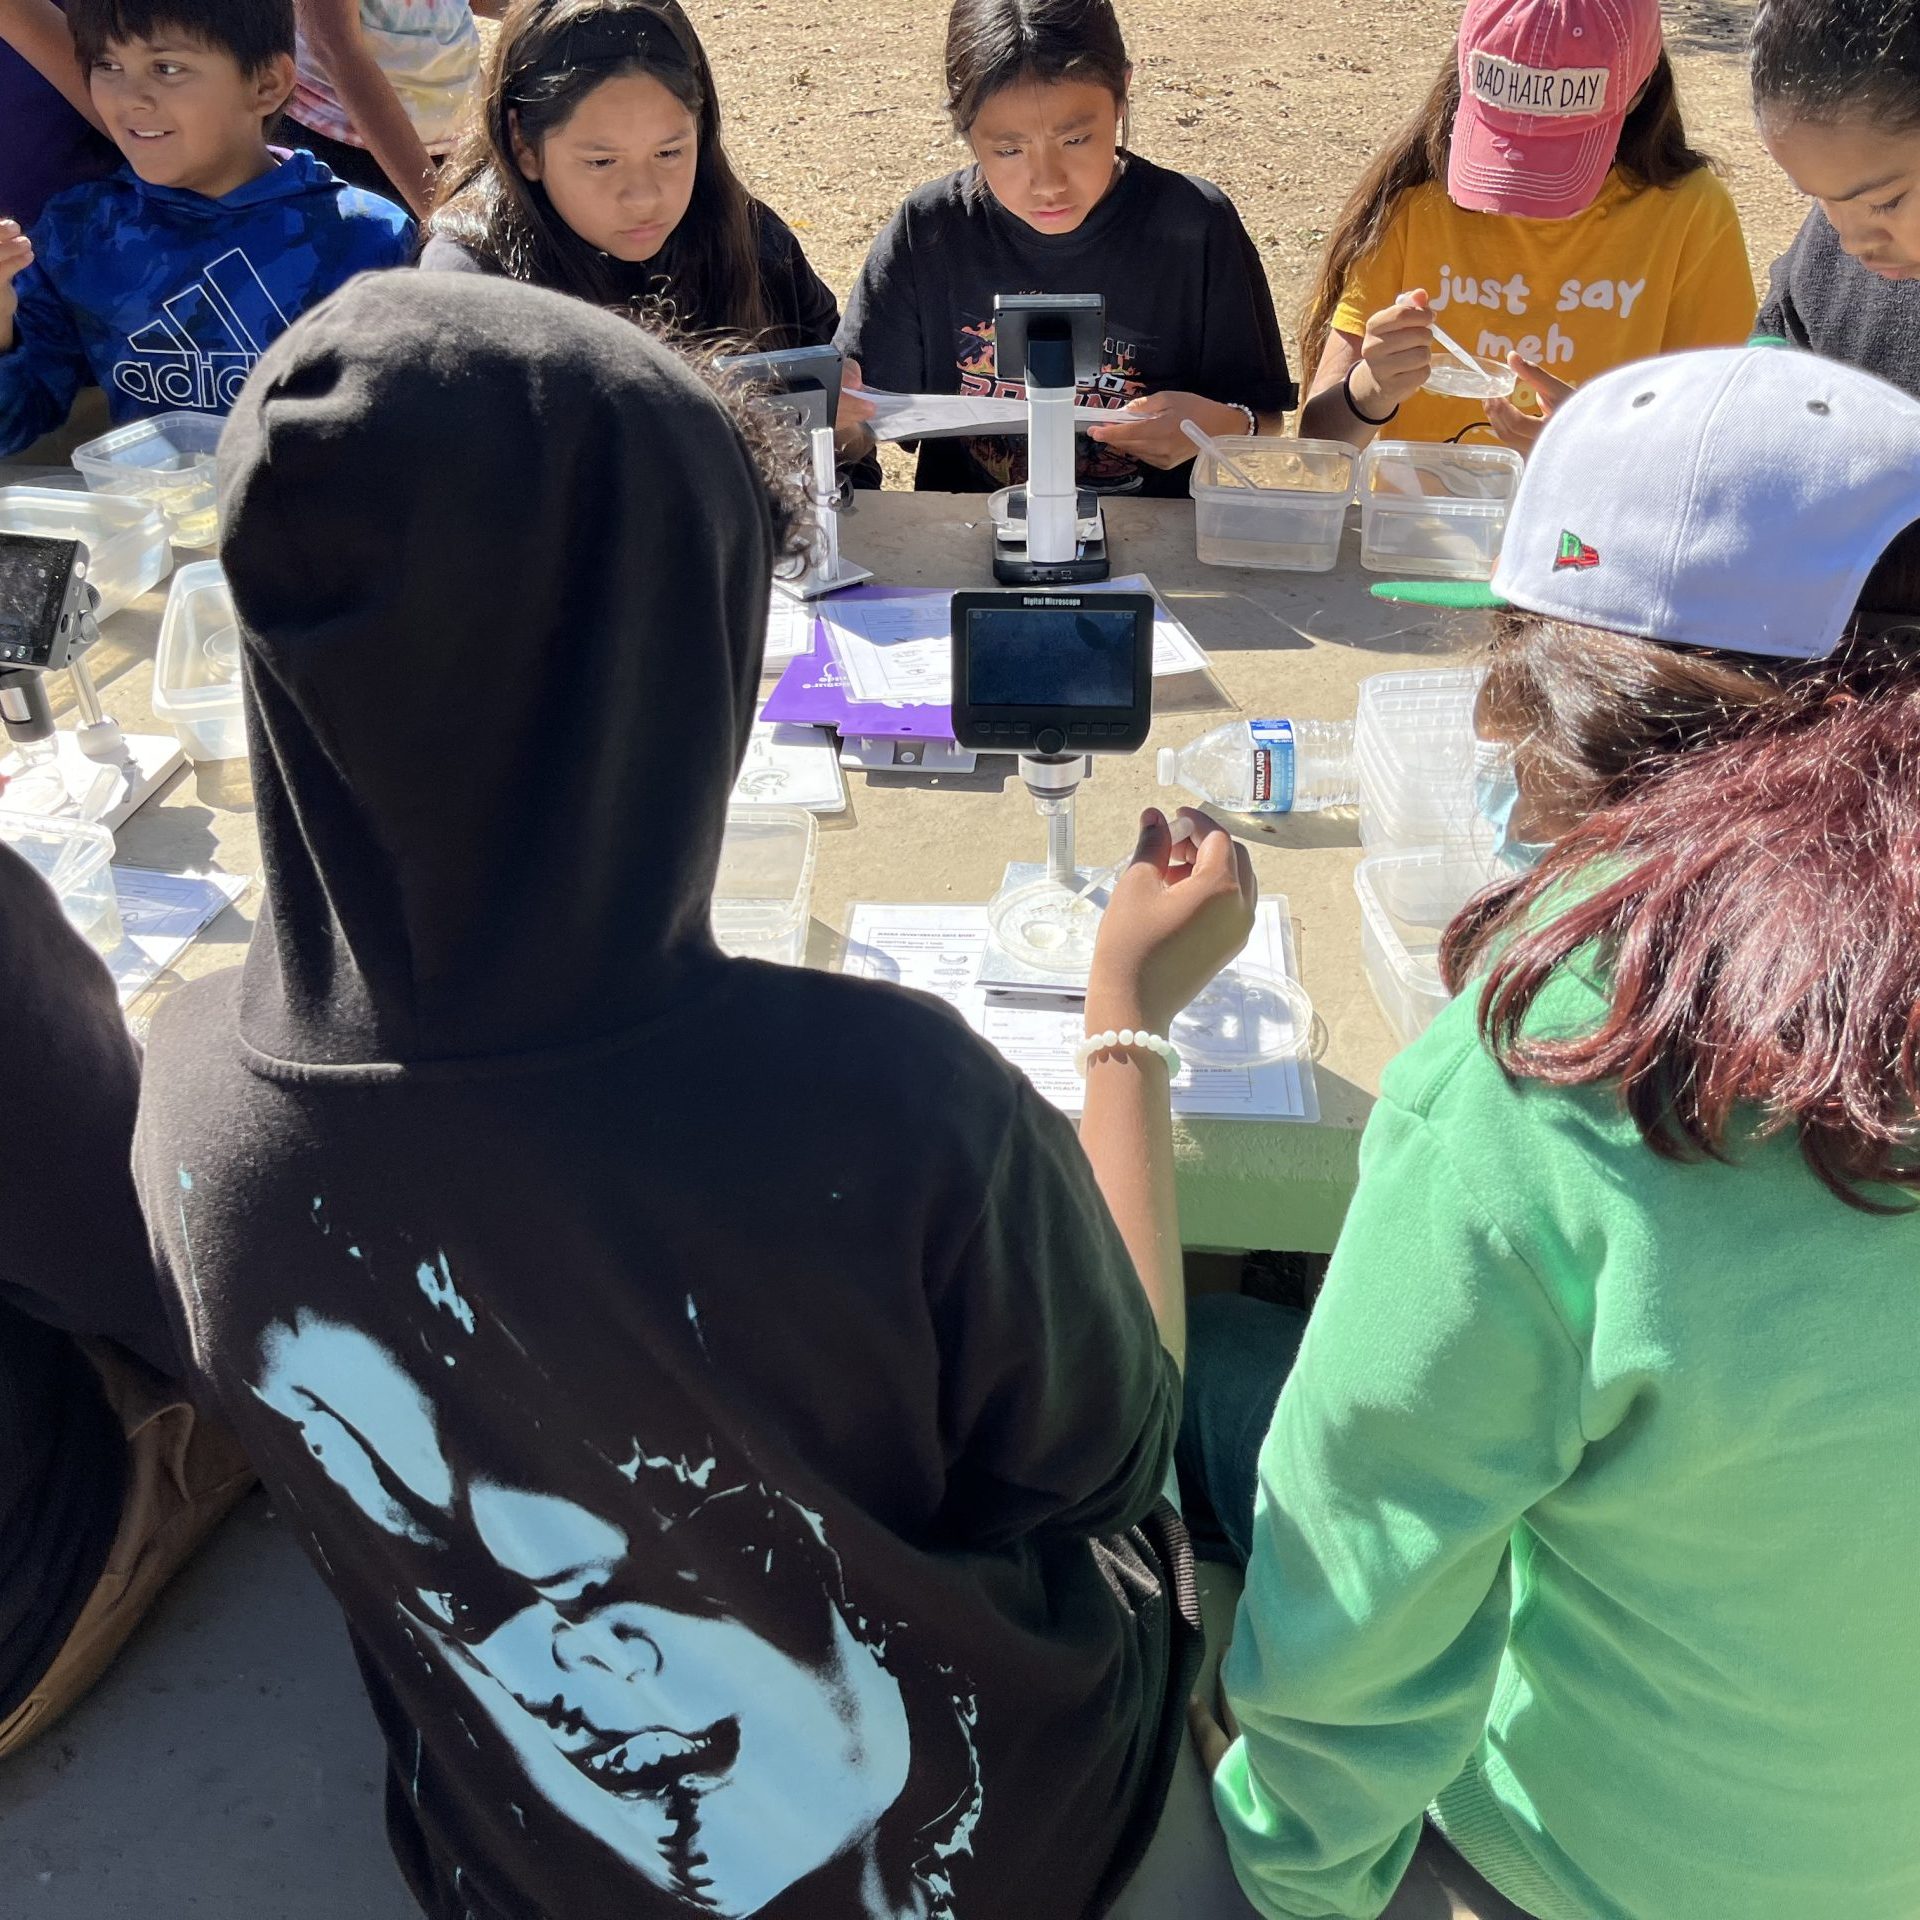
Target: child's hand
<point x="1520" y="430"/>
<point x="852" y="439"/>
<point x="1177" y="916"/>
<point x="16" y="256"/>
<point x="1396" y="355"/>
<point x="1149" y="428"/>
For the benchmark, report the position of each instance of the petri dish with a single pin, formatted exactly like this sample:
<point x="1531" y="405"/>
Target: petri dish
<point x="1249" y="1017"/>
<point x="1449" y="377"/>
<point x="1049" y="925"/>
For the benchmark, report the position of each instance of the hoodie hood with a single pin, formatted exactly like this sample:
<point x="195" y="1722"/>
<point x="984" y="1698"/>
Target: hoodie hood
<point x="297" y="176"/>
<point x="501" y="565"/>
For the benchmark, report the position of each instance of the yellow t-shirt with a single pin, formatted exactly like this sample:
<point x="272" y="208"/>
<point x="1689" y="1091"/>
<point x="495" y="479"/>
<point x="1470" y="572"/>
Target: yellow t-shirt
<point x="1642" y="271"/>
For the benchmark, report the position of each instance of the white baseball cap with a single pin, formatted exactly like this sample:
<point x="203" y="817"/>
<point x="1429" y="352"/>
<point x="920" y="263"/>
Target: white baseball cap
<point x="1735" y="499"/>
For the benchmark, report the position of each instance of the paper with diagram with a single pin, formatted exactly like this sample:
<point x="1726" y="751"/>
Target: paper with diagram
<point x="938" y="950"/>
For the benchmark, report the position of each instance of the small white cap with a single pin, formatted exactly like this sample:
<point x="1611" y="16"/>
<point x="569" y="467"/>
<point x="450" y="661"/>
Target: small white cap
<point x="1167" y="766"/>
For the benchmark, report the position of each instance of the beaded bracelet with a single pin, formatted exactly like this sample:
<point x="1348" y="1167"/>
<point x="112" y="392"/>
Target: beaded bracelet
<point x="1253" y="419"/>
<point x="1119" y="1040"/>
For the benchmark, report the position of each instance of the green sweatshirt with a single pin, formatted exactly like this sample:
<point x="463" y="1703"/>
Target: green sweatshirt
<point x="1588" y="1519"/>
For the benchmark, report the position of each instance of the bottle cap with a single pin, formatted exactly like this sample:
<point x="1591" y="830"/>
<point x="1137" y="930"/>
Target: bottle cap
<point x="1167" y="766"/>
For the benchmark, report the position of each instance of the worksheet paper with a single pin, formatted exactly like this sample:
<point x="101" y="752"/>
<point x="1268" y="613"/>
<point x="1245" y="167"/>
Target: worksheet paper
<point x="945" y="416"/>
<point x="939" y="949"/>
<point x="900" y="649"/>
<point x="789" y="630"/>
<point x="790" y="767"/>
<point x="162" y="915"/>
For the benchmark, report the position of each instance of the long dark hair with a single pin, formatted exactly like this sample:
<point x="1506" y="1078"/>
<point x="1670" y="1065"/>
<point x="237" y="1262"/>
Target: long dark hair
<point x="1826" y="59"/>
<point x="996" y="44"/>
<point x="1653" y="151"/>
<point x="549" y="55"/>
<point x="1747" y="865"/>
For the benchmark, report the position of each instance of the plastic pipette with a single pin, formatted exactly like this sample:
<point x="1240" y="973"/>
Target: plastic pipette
<point x="1443" y="338"/>
<point x="1205" y="441"/>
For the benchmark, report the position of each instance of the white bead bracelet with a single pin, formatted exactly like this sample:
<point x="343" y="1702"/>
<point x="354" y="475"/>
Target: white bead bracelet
<point x="1119" y="1040"/>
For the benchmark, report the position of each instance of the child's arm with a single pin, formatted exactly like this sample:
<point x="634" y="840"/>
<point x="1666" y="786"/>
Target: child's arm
<point x="43" y="364"/>
<point x="332" y="28"/>
<point x="1178" y="915"/>
<point x="1360" y="382"/>
<point x="37" y="31"/>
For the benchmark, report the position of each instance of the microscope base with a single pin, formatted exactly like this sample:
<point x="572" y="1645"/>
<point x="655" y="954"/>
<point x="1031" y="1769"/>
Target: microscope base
<point x="1012" y="968"/>
<point x="813" y="586"/>
<point x="1013" y="567"/>
<point x="153" y="759"/>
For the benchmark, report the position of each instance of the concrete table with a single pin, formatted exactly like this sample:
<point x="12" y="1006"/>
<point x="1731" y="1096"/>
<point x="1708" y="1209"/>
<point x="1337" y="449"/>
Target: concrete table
<point x="1281" y="644"/>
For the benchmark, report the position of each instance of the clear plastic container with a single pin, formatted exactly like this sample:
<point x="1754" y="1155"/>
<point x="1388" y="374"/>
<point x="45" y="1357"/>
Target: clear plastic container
<point x="75" y="860"/>
<point x="1435" y="511"/>
<point x="765" y="884"/>
<point x="1407" y="900"/>
<point x="1415" y="756"/>
<point x="1448" y="376"/>
<point x="1249" y="1016"/>
<point x="1296" y="518"/>
<point x="129" y="544"/>
<point x="166" y="461"/>
<point x="196" y="670"/>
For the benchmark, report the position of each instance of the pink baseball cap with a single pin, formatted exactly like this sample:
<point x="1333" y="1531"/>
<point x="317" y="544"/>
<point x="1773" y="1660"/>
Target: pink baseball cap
<point x="1545" y="86"/>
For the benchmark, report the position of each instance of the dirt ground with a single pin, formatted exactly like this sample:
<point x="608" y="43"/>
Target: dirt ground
<point x="833" y="115"/>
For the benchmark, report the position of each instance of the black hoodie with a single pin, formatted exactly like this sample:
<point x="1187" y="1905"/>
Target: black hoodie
<point x="715" y="1392"/>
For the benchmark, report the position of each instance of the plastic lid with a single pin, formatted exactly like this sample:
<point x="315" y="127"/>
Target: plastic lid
<point x="1248" y="1017"/>
<point x="1167" y="767"/>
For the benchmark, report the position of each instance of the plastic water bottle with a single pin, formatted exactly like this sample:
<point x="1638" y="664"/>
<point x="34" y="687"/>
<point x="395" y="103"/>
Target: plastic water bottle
<point x="1267" y="766"/>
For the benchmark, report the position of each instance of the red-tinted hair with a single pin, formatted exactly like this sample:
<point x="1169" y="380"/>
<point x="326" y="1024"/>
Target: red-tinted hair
<point x="1746" y="869"/>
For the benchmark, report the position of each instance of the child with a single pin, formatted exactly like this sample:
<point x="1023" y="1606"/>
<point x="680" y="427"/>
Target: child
<point x="109" y="1481"/>
<point x="1598" y="1539"/>
<point x="1575" y="228"/>
<point x="1055" y="203"/>
<point x="1836" y="85"/>
<point x="596" y="168"/>
<point x="384" y="89"/>
<point x="723" y="1532"/>
<point x="165" y="283"/>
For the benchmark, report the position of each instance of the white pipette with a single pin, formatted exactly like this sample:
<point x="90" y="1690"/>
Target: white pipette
<point x="1205" y="441"/>
<point x="1443" y="338"/>
<point x="1181" y="830"/>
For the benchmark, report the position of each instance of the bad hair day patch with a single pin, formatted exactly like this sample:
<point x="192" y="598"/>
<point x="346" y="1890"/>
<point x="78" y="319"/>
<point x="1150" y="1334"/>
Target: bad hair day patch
<point x="1512" y="88"/>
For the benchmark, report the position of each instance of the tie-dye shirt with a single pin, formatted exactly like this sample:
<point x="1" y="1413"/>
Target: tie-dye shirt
<point x="166" y="298"/>
<point x="429" y="51"/>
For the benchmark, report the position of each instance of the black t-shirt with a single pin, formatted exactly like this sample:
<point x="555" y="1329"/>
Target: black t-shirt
<point x="1188" y="309"/>
<point x="800" y="305"/>
<point x="1822" y="299"/>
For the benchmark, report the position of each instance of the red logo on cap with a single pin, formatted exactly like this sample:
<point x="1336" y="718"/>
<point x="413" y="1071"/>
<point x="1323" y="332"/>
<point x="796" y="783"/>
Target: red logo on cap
<point x="1575" y="555"/>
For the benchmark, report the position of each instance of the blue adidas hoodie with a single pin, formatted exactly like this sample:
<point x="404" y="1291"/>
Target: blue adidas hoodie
<point x="166" y="298"/>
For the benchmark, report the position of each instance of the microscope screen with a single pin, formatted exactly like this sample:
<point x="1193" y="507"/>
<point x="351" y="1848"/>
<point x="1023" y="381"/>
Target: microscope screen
<point x="1050" y="657"/>
<point x="34" y="574"/>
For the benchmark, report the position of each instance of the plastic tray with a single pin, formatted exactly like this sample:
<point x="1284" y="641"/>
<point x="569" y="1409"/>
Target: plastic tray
<point x="1294" y="522"/>
<point x="196" y="670"/>
<point x="1435" y="511"/>
<point x="1415" y="755"/>
<point x="129" y="544"/>
<point x="76" y="862"/>
<point x="765" y="884"/>
<point x="1407" y="900"/>
<point x="166" y="461"/>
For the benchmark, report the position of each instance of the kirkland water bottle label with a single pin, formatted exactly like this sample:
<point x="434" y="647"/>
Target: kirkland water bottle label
<point x="1272" y="765"/>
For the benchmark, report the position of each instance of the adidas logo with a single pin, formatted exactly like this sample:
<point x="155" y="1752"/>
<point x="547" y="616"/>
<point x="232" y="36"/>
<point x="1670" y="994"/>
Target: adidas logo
<point x="198" y="353"/>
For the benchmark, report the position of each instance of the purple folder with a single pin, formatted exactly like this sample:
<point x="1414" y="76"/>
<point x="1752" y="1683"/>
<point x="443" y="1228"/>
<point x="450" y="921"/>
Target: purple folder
<point x="813" y="693"/>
